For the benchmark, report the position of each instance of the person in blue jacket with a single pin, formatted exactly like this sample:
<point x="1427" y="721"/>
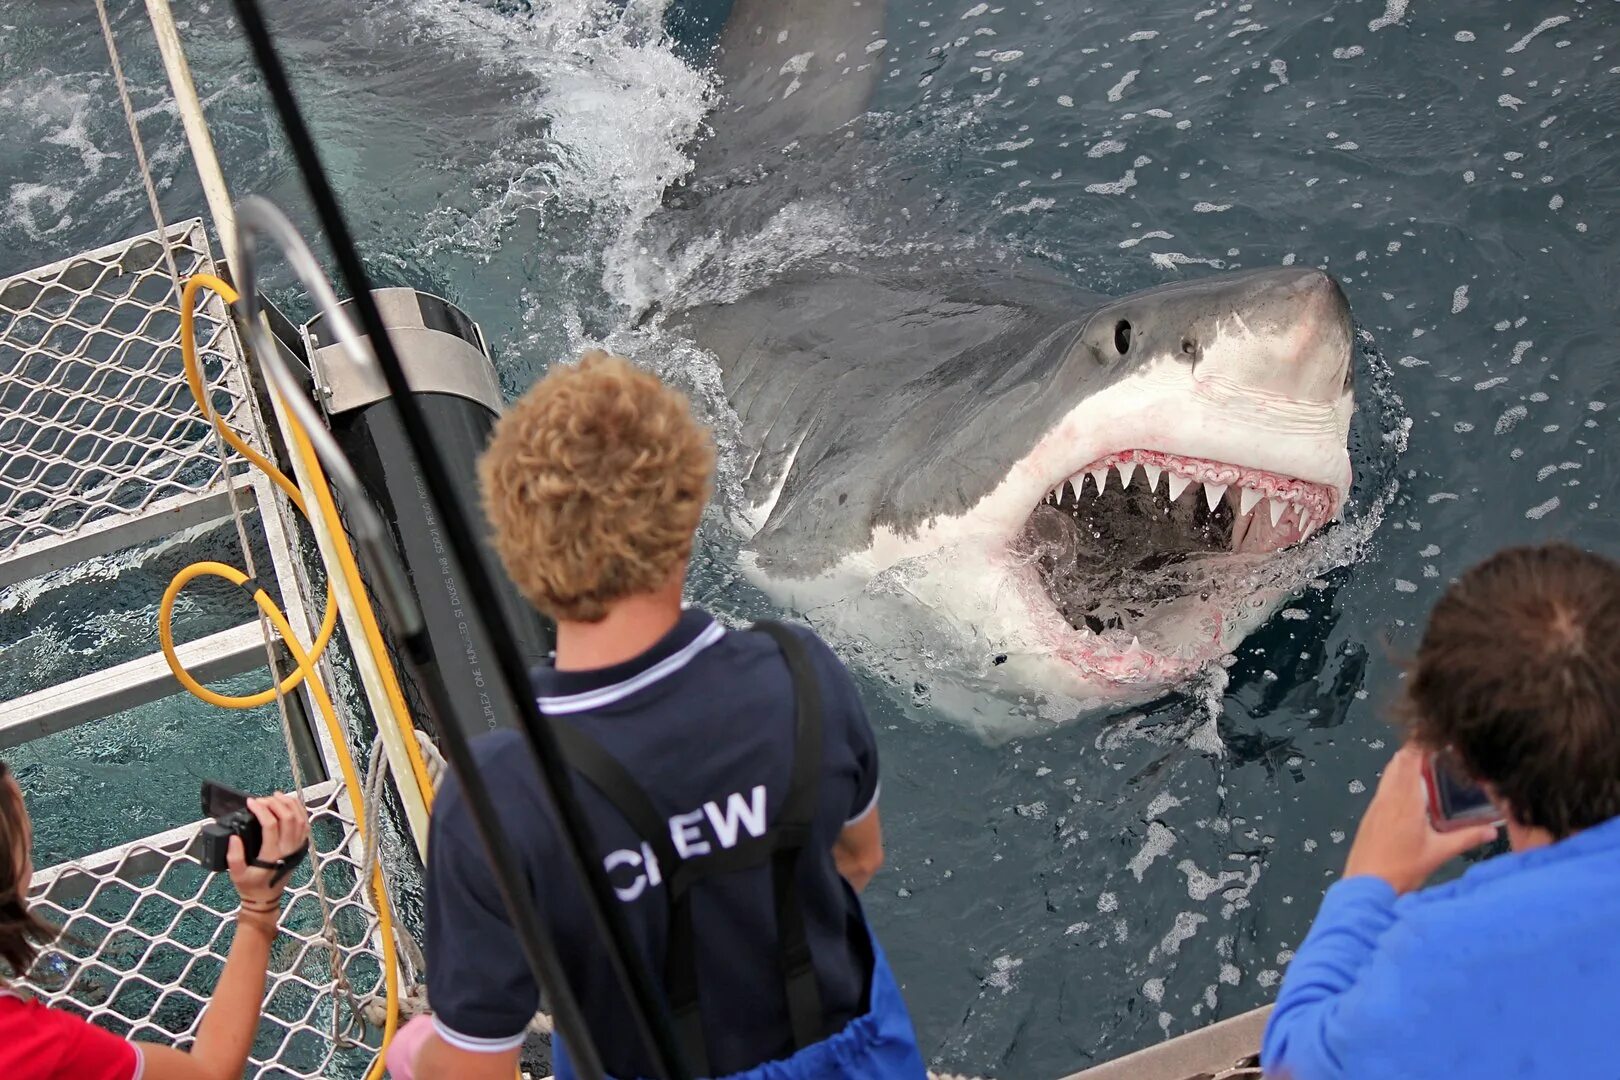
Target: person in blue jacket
<point x="1512" y="969"/>
<point x="730" y="778"/>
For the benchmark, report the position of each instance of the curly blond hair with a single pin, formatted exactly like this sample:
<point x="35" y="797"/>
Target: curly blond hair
<point x="595" y="481"/>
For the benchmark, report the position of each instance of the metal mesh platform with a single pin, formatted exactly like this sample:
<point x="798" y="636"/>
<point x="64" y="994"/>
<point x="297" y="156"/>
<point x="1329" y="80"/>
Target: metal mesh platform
<point x="96" y="421"/>
<point x="147" y="930"/>
<point x="102" y="447"/>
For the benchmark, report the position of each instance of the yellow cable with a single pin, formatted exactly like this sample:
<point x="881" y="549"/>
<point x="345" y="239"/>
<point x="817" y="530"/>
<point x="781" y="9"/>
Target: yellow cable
<point x="351" y="780"/>
<point x="305" y="659"/>
<point x="362" y="604"/>
<point x="188" y="350"/>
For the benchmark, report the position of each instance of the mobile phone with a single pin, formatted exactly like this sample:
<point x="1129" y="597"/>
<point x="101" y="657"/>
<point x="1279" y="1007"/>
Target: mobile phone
<point x="1455" y="801"/>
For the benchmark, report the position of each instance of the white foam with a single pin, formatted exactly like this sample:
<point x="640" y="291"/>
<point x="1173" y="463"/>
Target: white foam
<point x="1541" y="510"/>
<point x="1117" y="91"/>
<point x="1185" y="929"/>
<point x="1541" y="28"/>
<point x="1030" y="207"/>
<point x="619" y="105"/>
<point x="1114" y="187"/>
<point x="1394" y="12"/>
<point x="1002" y="971"/>
<point x="1510" y="419"/>
<point x="1158" y="843"/>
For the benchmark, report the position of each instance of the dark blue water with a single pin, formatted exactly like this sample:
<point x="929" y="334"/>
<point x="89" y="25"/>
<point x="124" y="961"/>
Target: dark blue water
<point x="1062" y="898"/>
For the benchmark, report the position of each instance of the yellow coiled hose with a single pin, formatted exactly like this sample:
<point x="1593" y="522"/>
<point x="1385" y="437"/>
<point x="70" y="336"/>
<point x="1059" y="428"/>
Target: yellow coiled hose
<point x="305" y="659"/>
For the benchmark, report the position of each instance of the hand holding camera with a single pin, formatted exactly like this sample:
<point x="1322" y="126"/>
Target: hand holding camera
<point x="259" y="840"/>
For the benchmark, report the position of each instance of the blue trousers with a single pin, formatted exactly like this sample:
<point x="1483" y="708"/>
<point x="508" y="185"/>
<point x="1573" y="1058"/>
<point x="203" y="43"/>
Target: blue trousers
<point x="880" y="1044"/>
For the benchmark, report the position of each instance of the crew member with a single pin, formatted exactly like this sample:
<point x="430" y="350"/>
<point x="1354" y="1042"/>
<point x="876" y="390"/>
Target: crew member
<point x="730" y="778"/>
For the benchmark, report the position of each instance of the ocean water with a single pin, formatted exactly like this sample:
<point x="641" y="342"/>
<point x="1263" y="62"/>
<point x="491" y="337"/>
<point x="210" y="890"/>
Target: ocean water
<point x="1062" y="897"/>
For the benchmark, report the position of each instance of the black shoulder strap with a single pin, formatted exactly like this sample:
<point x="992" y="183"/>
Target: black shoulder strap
<point x="613" y="780"/>
<point x="783" y="844"/>
<point x="799" y="809"/>
<point x="793" y="829"/>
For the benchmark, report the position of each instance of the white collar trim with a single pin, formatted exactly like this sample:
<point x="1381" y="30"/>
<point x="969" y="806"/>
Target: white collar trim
<point x="607" y="695"/>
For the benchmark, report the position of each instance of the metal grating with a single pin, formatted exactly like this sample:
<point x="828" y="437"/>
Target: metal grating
<point x="146" y="932"/>
<point x="96" y="421"/>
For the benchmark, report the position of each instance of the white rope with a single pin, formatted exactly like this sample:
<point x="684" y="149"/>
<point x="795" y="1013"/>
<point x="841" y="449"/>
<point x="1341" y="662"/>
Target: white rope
<point x="413" y="1001"/>
<point x="353" y="1031"/>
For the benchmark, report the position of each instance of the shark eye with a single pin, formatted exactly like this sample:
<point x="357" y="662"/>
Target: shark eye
<point x="1122" y="337"/>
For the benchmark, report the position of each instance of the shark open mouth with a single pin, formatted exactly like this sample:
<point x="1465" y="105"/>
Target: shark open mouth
<point x="1130" y="550"/>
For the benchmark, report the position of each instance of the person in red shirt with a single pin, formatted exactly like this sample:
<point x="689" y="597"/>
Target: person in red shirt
<point x="41" y="1043"/>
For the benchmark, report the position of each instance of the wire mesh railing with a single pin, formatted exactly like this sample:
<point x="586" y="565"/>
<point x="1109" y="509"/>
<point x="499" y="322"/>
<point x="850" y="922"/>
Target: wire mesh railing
<point x="96" y="420"/>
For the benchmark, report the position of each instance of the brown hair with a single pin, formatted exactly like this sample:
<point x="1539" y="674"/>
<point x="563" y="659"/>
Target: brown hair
<point x="1519" y="671"/>
<point x="595" y="481"/>
<point x="22" y="933"/>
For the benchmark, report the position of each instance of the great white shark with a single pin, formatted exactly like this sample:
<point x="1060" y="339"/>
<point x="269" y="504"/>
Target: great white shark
<point x="1067" y="484"/>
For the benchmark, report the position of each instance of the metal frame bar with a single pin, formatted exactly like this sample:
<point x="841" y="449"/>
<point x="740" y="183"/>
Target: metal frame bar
<point x="163" y="518"/>
<point x="1208" y="1052"/>
<point x="128" y="685"/>
<point x="281" y="536"/>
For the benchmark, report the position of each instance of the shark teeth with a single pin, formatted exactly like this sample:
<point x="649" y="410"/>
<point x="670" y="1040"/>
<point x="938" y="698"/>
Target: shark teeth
<point x="1303" y="509"/>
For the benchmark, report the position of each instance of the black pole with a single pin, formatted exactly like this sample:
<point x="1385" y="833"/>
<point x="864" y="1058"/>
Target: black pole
<point x="648" y="1009"/>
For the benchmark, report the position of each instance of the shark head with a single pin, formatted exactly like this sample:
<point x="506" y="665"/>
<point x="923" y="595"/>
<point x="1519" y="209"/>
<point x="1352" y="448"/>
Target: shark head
<point x="1083" y="497"/>
<point x="1220" y="439"/>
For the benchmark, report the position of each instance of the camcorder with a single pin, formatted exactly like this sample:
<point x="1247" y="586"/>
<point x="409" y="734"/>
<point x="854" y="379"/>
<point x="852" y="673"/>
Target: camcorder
<point x="228" y="807"/>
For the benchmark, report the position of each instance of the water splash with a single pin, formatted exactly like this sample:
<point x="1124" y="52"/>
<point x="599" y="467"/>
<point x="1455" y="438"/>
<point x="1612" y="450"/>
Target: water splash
<point x="603" y="126"/>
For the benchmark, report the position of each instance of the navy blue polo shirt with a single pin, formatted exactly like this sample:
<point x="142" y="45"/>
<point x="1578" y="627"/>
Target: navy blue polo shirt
<point x="704" y="721"/>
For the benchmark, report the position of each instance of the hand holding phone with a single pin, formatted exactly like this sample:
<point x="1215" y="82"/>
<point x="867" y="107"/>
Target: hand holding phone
<point x="1396" y="841"/>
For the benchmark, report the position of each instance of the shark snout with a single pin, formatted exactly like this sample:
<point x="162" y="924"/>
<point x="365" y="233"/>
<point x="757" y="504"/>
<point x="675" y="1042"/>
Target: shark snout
<point x="1287" y="333"/>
